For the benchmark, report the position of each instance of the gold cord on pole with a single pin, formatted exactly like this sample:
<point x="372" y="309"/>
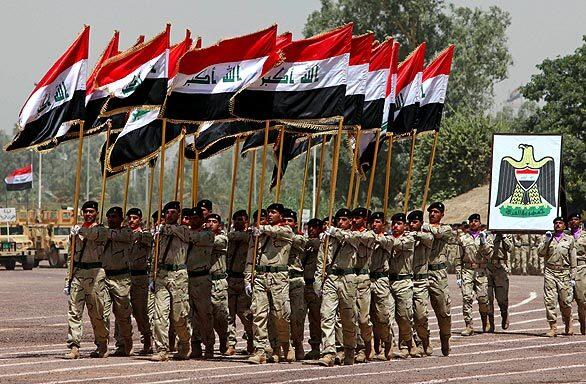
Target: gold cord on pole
<point x="126" y="185"/>
<point x="303" y="186"/>
<point x="160" y="201"/>
<point x="76" y="201"/>
<point x="410" y="174"/>
<point x="320" y="173"/>
<point x="234" y="179"/>
<point x="373" y="170"/>
<point x="195" y="179"/>
<point x="104" y="173"/>
<point x="353" y="168"/>
<point x="390" y="140"/>
<point x="280" y="165"/>
<point x="429" y="169"/>
<point x="251" y="176"/>
<point x="151" y="191"/>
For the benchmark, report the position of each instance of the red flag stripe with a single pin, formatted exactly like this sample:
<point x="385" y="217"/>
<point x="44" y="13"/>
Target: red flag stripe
<point x="527" y="171"/>
<point x="329" y="44"/>
<point x="178" y="50"/>
<point x="441" y="65"/>
<point x="381" y="56"/>
<point x="110" y="51"/>
<point x="284" y="39"/>
<point x="361" y="49"/>
<point x="410" y="67"/>
<point x="21" y="171"/>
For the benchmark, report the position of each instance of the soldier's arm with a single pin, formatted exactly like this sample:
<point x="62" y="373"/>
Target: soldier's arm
<point x="542" y="250"/>
<point x="320" y="265"/>
<point x="221" y="242"/>
<point x="143" y="238"/>
<point x="122" y="235"/>
<point x="182" y="232"/>
<point x="277" y="231"/>
<point x="404" y="242"/>
<point x="238" y="236"/>
<point x="439" y="231"/>
<point x="573" y="259"/>
<point x="201" y="238"/>
<point x="506" y="243"/>
<point x="487" y="249"/>
<point x="386" y="242"/>
<point x="95" y="233"/>
<point x="425" y="238"/>
<point x="248" y="267"/>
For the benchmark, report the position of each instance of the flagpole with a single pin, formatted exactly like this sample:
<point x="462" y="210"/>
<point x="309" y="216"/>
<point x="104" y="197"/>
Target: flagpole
<point x="353" y="168"/>
<point x="373" y="170"/>
<point x="126" y="184"/>
<point x="356" y="197"/>
<point x="87" y="171"/>
<point x="160" y="202"/>
<point x="305" y="175"/>
<point x="150" y="194"/>
<point x="76" y="200"/>
<point x="251" y="176"/>
<point x="179" y="165"/>
<point x="279" y="165"/>
<point x="234" y="180"/>
<point x="195" y="178"/>
<point x="320" y="174"/>
<point x="40" y="183"/>
<point x="390" y="140"/>
<point x="410" y="174"/>
<point x="313" y="181"/>
<point x="260" y="195"/>
<point x="429" y="169"/>
<point x="182" y="172"/>
<point x="104" y="173"/>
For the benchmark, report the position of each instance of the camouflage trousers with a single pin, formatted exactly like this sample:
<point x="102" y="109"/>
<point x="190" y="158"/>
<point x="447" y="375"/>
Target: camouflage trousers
<point x="402" y="305"/>
<point x="380" y="314"/>
<point x="220" y="309"/>
<point x="270" y="302"/>
<point x="439" y="296"/>
<point x="498" y="286"/>
<point x="88" y="289"/>
<point x="557" y="290"/>
<point x="238" y="305"/>
<point x="139" y="300"/>
<point x="312" y="304"/>
<point x="474" y="283"/>
<point x="171" y="300"/>
<point x="201" y="311"/>
<point x="420" y="310"/>
<point x="297" y="300"/>
<point x="363" y="296"/>
<point x="339" y="297"/>
<point x="118" y="302"/>
<point x="580" y="292"/>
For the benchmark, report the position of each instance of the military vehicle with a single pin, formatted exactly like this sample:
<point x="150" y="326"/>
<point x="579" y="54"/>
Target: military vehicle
<point x="16" y="247"/>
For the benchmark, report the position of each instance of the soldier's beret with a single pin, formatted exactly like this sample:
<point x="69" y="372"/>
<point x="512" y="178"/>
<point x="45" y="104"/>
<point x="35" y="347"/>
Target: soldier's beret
<point x="115" y="211"/>
<point x="134" y="211"/>
<point x="172" y="205"/>
<point x="343" y="212"/>
<point x="415" y="215"/>
<point x="474" y="216"/>
<point x="399" y="217"/>
<point x="574" y="215"/>
<point x="89" y="205"/>
<point x="240" y="213"/>
<point x="559" y="218"/>
<point x="326" y="219"/>
<point x="360" y="212"/>
<point x="215" y="216"/>
<point x="263" y="213"/>
<point x="437" y="205"/>
<point x="197" y="211"/>
<point x="289" y="213"/>
<point x="277" y="207"/>
<point x="205" y="203"/>
<point x="155" y="215"/>
<point x="315" y="222"/>
<point x="377" y="216"/>
<point x="186" y="212"/>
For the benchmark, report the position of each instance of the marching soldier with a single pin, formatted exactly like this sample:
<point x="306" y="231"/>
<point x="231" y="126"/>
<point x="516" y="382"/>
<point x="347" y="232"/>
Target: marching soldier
<point x="538" y="261"/>
<point x="439" y="294"/>
<point x="87" y="286"/>
<point x="525" y="249"/>
<point x="471" y="273"/>
<point x="423" y="244"/>
<point x="219" y="282"/>
<point x="559" y="251"/>
<point x="498" y="280"/>
<point x="139" y="261"/>
<point x="171" y="285"/>
<point x="117" y="241"/>
<point x="453" y="250"/>
<point x="270" y="287"/>
<point x="206" y="207"/>
<point x="575" y="224"/>
<point x="311" y="300"/>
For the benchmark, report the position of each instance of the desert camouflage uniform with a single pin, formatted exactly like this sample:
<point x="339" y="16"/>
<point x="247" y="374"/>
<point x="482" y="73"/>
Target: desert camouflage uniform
<point x="498" y="275"/>
<point x="296" y="297"/>
<point x="311" y="300"/>
<point x="381" y="316"/>
<point x="423" y="244"/>
<point x="139" y="262"/>
<point x="363" y="292"/>
<point x="580" y="289"/>
<point x="220" y="289"/>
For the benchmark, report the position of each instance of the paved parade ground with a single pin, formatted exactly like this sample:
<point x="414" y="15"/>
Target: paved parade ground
<point x="33" y="332"/>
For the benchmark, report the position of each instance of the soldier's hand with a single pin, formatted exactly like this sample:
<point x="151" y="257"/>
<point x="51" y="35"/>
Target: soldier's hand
<point x="572" y="283"/>
<point x="254" y="231"/>
<point x="459" y="282"/>
<point x="248" y="290"/>
<point x="319" y="293"/>
<point x="548" y="235"/>
<point x="152" y="287"/>
<point x="66" y="290"/>
<point x="482" y="237"/>
<point x="75" y="230"/>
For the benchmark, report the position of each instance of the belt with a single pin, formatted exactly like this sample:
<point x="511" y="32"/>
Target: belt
<point x="219" y="276"/>
<point x="271" y="269"/>
<point x="172" y="267"/>
<point x="393" y="277"/>
<point x="436" y="267"/>
<point x="378" y="275"/>
<point x="88" y="265"/>
<point x="117" y="272"/>
<point x="342" y="271"/>
<point x="556" y="267"/>
<point x="420" y="276"/>
<point x="309" y="281"/>
<point x="363" y="271"/>
<point x="138" y="272"/>
<point x="295" y="274"/>
<point x="198" y="273"/>
<point x="498" y="262"/>
<point x="237" y="275"/>
<point x="474" y="265"/>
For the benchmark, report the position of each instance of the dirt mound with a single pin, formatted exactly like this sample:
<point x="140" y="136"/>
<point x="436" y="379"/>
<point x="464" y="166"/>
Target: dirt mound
<point x="460" y="207"/>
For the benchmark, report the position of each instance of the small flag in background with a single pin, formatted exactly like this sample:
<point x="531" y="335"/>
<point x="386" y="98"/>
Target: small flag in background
<point x="20" y="179"/>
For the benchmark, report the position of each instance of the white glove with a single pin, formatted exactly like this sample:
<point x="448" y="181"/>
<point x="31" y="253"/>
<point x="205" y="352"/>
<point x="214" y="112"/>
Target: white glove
<point x="248" y="290"/>
<point x="75" y="230"/>
<point x="321" y="236"/>
<point x="459" y="282"/>
<point x="66" y="290"/>
<point x="572" y="283"/>
<point x="548" y="236"/>
<point x="330" y="231"/>
<point x="482" y="238"/>
<point x="319" y="293"/>
<point x="152" y="287"/>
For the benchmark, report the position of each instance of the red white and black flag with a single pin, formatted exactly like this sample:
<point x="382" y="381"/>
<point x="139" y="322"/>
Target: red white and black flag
<point x="434" y="87"/>
<point x="357" y="74"/>
<point x="310" y="84"/>
<point x="391" y="92"/>
<point x="410" y="73"/>
<point x="208" y="78"/>
<point x="376" y="85"/>
<point x="58" y="100"/>
<point x="20" y="179"/>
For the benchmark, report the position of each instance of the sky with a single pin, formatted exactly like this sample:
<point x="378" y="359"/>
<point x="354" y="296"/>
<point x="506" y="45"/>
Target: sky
<point x="35" y="33"/>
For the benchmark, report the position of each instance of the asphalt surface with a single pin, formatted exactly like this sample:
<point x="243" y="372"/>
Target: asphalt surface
<point x="33" y="332"/>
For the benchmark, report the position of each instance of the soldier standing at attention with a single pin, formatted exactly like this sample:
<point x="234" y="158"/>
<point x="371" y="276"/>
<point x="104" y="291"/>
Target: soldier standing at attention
<point x="311" y="300"/>
<point x="270" y="287"/>
<point x="439" y="294"/>
<point x="559" y="277"/>
<point x="139" y="261"/>
<point x="471" y="273"/>
<point x="498" y="280"/>
<point x="171" y="285"/>
<point x="117" y="243"/>
<point x="579" y="235"/>
<point x="238" y="300"/>
<point x="87" y="286"/>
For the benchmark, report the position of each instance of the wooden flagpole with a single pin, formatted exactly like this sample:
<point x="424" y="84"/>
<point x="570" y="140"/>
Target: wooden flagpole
<point x="104" y="173"/>
<point x="76" y="201"/>
<point x="151" y="190"/>
<point x="178" y="171"/>
<point x="182" y="174"/>
<point x="303" y="186"/>
<point x="372" y="170"/>
<point x="429" y="169"/>
<point x="160" y="201"/>
<point x="126" y="185"/>
<point x="279" y="165"/>
<point x="251" y="177"/>
<point x="410" y="174"/>
<point x="353" y="168"/>
<point x="195" y="179"/>
<point x="390" y="140"/>
<point x="234" y="179"/>
<point x="320" y="173"/>
<point x="356" y="197"/>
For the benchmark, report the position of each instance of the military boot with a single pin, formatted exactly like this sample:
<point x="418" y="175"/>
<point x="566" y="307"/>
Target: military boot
<point x="160" y="356"/>
<point x="484" y="320"/>
<point x="250" y="346"/>
<point x="553" y="330"/>
<point x="349" y="356"/>
<point x="299" y="352"/>
<point x="469" y="331"/>
<point x="445" y="342"/>
<point x="72" y="354"/>
<point x="231" y="351"/>
<point x="327" y="360"/>
<point x="387" y="352"/>
<point x="182" y="352"/>
<point x="147" y="346"/>
<point x="569" y="327"/>
<point x="416" y="351"/>
<point x="582" y="319"/>
<point x="427" y="348"/>
<point x="209" y="352"/>
<point x="100" y="352"/>
<point x="491" y="323"/>
<point x="288" y="352"/>
<point x="368" y="351"/>
<point x="504" y="320"/>
<point x="313" y="354"/>
<point x="360" y="357"/>
<point x="402" y="353"/>
<point x="223" y="345"/>
<point x="258" y="357"/>
<point x="196" y="352"/>
<point x="339" y="358"/>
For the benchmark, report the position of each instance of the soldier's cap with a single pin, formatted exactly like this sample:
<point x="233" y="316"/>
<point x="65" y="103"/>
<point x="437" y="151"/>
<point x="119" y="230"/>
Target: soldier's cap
<point x="115" y="211"/>
<point x="172" y="205"/>
<point x="474" y="216"/>
<point x="289" y="213"/>
<point x="326" y="219"/>
<point x="240" y="213"/>
<point x="399" y="217"/>
<point x="89" y="205"/>
<point x="360" y="212"/>
<point x="437" y="205"/>
<point x="155" y="215"/>
<point x="415" y="215"/>
<point x="559" y="218"/>
<point x="197" y="211"/>
<point x="343" y="212"/>
<point x="574" y="215"/>
<point x="277" y="207"/>
<point x="315" y="222"/>
<point x="205" y="203"/>
<point x="215" y="216"/>
<point x="134" y="211"/>
<point x="377" y="216"/>
<point x="263" y="213"/>
<point x="186" y="212"/>
<point x="464" y="223"/>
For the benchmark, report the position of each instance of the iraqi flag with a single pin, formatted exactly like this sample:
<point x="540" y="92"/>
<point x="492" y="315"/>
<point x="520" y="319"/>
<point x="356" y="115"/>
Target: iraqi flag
<point x="410" y="74"/>
<point x="376" y="85"/>
<point x="310" y="84"/>
<point x="20" y="179"/>
<point x="357" y="74"/>
<point x="207" y="79"/>
<point x="391" y="92"/>
<point x="135" y="77"/>
<point x="434" y="87"/>
<point x="58" y="100"/>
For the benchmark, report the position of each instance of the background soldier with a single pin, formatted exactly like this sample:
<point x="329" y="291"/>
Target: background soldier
<point x="576" y="230"/>
<point x="537" y="262"/>
<point x="524" y="253"/>
<point x="219" y="282"/>
<point x="559" y="251"/>
<point x="87" y="286"/>
<point x="206" y="207"/>
<point x="311" y="300"/>
<point x="498" y="280"/>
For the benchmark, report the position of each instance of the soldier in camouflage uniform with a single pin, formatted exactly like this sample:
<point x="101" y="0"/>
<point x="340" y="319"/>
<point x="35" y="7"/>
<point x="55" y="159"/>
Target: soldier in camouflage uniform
<point x="498" y="279"/>
<point x="453" y="250"/>
<point x="536" y="261"/>
<point x="219" y="282"/>
<point x="471" y="273"/>
<point x="559" y="278"/>
<point x="87" y="287"/>
<point x="576" y="230"/>
<point x="311" y="300"/>
<point x="170" y="287"/>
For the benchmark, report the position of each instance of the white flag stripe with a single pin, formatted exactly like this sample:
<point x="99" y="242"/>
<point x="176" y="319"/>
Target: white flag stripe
<point x="160" y="70"/>
<point x="19" y="179"/>
<point x="138" y="119"/>
<point x="376" y="84"/>
<point x="410" y="94"/>
<point x="434" y="89"/>
<point x="357" y="79"/>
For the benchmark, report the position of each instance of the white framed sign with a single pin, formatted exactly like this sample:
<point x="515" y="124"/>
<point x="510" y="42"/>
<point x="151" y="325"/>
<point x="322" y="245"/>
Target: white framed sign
<point x="7" y="215"/>
<point x="525" y="182"/>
